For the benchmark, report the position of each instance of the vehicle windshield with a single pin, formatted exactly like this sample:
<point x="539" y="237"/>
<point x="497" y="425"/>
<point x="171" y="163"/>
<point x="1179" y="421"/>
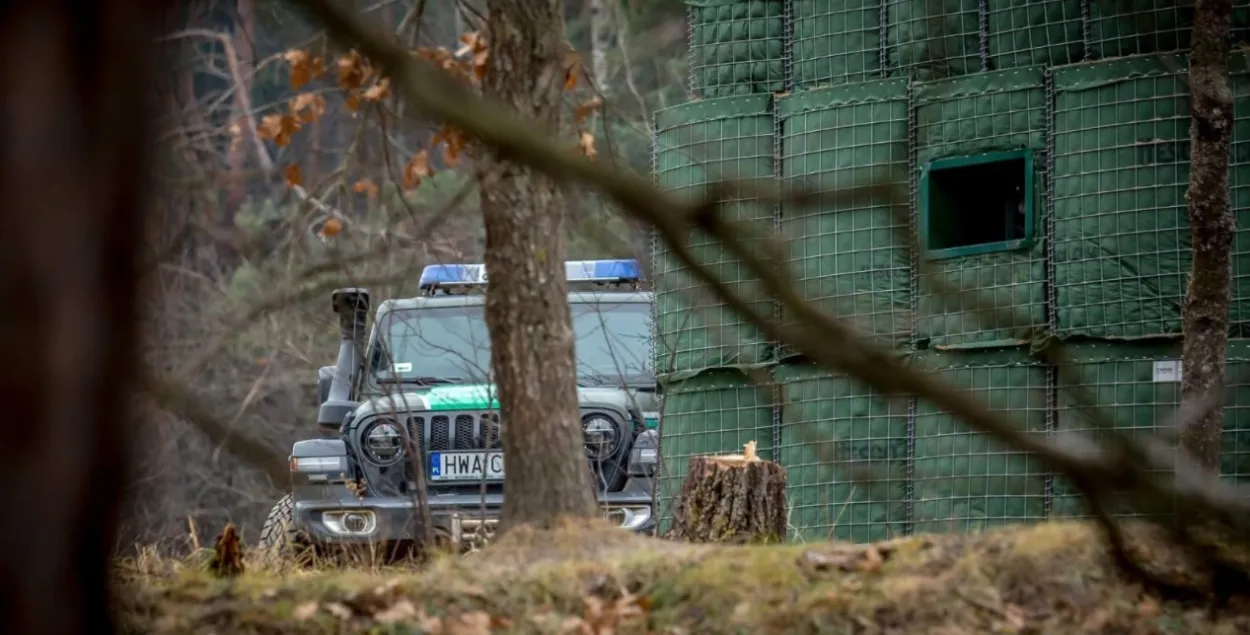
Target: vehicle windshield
<point x="450" y="344"/>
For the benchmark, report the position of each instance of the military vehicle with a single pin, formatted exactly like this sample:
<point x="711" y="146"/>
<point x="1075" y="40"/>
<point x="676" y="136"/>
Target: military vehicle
<point x="409" y="415"/>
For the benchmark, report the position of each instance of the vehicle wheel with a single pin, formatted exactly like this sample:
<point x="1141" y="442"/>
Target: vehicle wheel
<point x="279" y="539"/>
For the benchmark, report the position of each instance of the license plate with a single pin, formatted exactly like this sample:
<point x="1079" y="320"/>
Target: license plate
<point x="462" y="466"/>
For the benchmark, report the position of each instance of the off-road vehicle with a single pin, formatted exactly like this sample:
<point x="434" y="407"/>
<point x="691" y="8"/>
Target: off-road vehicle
<point x="416" y="395"/>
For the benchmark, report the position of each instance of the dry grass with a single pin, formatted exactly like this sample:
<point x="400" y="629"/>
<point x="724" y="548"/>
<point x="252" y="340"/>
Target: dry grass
<point x="1038" y="579"/>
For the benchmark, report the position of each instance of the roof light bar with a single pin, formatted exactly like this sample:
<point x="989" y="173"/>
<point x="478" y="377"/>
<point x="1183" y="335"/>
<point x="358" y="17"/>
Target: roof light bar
<point x="575" y="271"/>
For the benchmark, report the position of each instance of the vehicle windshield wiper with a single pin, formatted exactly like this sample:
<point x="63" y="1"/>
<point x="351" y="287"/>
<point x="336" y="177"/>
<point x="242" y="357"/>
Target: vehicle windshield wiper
<point x="424" y="381"/>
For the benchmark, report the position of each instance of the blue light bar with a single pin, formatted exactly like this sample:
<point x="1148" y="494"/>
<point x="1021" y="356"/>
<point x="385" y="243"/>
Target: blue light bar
<point x="575" y="271"/>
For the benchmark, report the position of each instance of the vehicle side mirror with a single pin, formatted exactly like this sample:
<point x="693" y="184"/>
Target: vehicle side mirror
<point x="325" y="375"/>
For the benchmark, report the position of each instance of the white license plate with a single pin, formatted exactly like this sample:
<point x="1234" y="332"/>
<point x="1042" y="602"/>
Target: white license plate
<point x="458" y="466"/>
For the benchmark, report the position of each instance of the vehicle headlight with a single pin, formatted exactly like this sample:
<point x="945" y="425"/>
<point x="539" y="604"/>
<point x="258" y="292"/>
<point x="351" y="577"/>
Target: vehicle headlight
<point x="383" y="442"/>
<point x="602" y="437"/>
<point x="630" y="518"/>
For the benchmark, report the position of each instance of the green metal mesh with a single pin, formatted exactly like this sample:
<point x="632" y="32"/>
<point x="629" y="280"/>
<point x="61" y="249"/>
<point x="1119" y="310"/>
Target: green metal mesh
<point x="1239" y="198"/>
<point x="1121" y="171"/>
<point x="715" y="412"/>
<point x="836" y="42"/>
<point x="1138" y="385"/>
<point x="737" y="46"/>
<point x="834" y="433"/>
<point x="987" y="112"/>
<point x="965" y="480"/>
<point x="1033" y="32"/>
<point x="934" y="39"/>
<point x="699" y="143"/>
<point x="850" y="259"/>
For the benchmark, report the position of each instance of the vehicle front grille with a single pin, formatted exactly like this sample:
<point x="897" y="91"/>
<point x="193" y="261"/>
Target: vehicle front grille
<point x="455" y="431"/>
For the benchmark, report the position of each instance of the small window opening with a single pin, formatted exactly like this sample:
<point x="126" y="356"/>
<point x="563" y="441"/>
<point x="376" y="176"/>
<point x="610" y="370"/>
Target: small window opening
<point x="980" y="204"/>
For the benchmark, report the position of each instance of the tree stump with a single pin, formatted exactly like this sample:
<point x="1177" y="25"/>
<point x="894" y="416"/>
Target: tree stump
<point x="734" y="498"/>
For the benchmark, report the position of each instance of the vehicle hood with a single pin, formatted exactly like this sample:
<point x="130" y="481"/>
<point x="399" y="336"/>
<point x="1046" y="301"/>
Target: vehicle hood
<point x="484" y="397"/>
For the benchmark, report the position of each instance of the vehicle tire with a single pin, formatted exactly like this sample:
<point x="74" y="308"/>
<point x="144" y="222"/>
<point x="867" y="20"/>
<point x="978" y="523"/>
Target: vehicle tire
<point x="279" y="539"/>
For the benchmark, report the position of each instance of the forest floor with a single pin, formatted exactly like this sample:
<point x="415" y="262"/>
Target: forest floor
<point x="596" y="580"/>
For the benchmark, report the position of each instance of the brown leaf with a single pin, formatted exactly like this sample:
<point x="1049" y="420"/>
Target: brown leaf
<point x="352" y="70"/>
<point x="278" y="128"/>
<point x="305" y="67"/>
<point x="331" y="228"/>
<point x="573" y="68"/>
<point x="339" y="611"/>
<point x="366" y="186"/>
<point x="307" y="107"/>
<point x="583" y="110"/>
<point x="353" y="102"/>
<point x="379" y="90"/>
<point x="293" y="175"/>
<point x="586" y="143"/>
<point x="227" y="559"/>
<point x="417" y="169"/>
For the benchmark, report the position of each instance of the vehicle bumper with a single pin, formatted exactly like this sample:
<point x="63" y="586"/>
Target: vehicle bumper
<point x="463" y="519"/>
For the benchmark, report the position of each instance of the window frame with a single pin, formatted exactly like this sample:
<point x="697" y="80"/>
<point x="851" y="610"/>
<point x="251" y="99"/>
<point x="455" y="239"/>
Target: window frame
<point x="1030" y="200"/>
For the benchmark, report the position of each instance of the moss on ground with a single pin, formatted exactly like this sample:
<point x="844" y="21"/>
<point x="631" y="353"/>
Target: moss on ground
<point x="1036" y="579"/>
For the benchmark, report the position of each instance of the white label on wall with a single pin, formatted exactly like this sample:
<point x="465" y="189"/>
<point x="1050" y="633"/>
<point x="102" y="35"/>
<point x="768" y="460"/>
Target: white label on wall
<point x="406" y="367"/>
<point x="1168" y="370"/>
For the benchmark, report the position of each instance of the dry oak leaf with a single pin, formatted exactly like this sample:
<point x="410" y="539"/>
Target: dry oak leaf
<point x="353" y="70"/>
<point x="227" y="561"/>
<point x="472" y="623"/>
<point x="573" y="68"/>
<point x="584" y="109"/>
<point x="365" y="186"/>
<point x="379" y="90"/>
<point x="353" y="102"/>
<point x="586" y="143"/>
<point x="305" y="67"/>
<point x="331" y="228"/>
<point x="307" y="107"/>
<point x="293" y="175"/>
<point x="416" y="169"/>
<point x="278" y="128"/>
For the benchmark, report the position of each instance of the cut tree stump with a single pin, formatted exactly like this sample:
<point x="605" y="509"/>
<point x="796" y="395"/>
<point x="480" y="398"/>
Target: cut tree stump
<point x="734" y="498"/>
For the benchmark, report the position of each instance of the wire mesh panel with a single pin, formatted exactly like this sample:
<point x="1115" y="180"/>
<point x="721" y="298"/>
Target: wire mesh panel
<point x="851" y="259"/>
<point x="836" y="42"/>
<point x="700" y="143"/>
<point x="964" y="480"/>
<point x="1239" y="193"/>
<point x="1032" y="32"/>
<point x="980" y="204"/>
<point x="714" y="412"/>
<point x="737" y="46"/>
<point x="933" y="39"/>
<point x="1121" y="172"/>
<point x="845" y="453"/>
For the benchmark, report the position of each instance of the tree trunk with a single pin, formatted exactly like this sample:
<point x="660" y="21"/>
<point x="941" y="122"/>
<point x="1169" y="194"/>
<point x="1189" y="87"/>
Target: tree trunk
<point x="527" y="309"/>
<point x="244" y="43"/>
<point x="72" y="171"/>
<point x="1211" y="226"/>
<point x="735" y="498"/>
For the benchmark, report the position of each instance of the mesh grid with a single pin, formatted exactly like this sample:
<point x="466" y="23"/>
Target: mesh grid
<point x="737" y="46"/>
<point x="1121" y="234"/>
<point x="934" y="39"/>
<point x="1125" y="383"/>
<point x="700" y="143"/>
<point x="964" y="480"/>
<point x="836" y="42"/>
<point x="850" y="259"/>
<point x="834" y="433"/>
<point x="1032" y="33"/>
<point x="1239" y="198"/>
<point x="712" y="413"/>
<point x="983" y="113"/>
<point x="1121" y="27"/>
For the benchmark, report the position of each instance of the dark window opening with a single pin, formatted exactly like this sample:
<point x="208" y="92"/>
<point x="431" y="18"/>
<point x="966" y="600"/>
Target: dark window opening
<point x="978" y="204"/>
